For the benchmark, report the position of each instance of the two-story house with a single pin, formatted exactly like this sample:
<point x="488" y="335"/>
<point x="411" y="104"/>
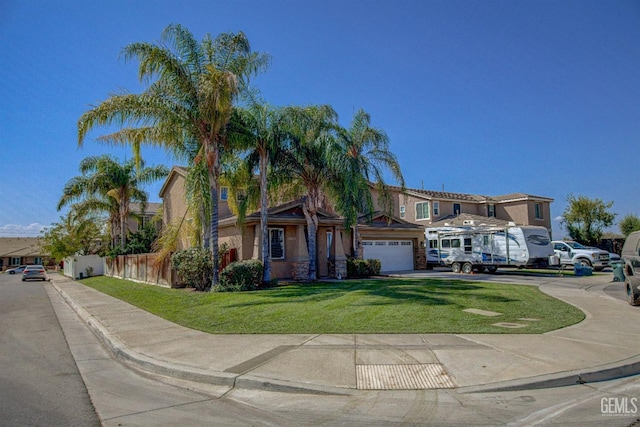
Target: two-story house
<point x="397" y="240"/>
<point x="436" y="208"/>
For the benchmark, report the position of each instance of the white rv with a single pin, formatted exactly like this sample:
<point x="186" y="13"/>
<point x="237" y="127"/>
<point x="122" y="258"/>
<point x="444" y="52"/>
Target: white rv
<point x="469" y="248"/>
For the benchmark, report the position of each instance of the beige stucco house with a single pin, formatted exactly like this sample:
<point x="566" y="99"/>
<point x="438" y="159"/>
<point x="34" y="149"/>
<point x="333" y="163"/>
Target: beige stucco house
<point x="397" y="240"/>
<point x="397" y="243"/>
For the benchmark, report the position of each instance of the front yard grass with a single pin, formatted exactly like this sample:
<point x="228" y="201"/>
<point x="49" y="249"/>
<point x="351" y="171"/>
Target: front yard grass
<point x="352" y="306"/>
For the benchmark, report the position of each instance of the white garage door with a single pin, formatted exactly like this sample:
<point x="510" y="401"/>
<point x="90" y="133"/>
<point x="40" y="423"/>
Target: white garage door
<point x="394" y="255"/>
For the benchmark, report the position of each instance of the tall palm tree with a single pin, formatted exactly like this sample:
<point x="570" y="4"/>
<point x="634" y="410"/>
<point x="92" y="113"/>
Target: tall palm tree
<point x="359" y="157"/>
<point x="305" y="168"/>
<point x="260" y="129"/>
<point x="190" y="101"/>
<point x="105" y="184"/>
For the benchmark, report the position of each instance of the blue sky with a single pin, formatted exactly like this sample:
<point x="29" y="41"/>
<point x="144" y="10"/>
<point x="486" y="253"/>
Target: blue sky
<point x="484" y="97"/>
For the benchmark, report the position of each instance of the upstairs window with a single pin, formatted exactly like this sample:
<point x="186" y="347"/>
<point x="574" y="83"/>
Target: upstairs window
<point x="403" y="211"/>
<point x="538" y="211"/>
<point x="422" y="211"/>
<point x="491" y="211"/>
<point x="456" y="209"/>
<point x="436" y="208"/>
<point x="224" y="193"/>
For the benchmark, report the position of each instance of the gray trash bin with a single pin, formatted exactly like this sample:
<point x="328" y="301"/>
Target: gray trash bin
<point x="618" y="271"/>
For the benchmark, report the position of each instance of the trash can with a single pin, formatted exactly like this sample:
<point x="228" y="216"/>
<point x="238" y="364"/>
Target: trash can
<point x="618" y="271"/>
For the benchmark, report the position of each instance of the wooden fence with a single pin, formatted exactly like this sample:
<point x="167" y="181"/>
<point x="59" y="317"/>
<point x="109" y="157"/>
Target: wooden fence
<point x="141" y="268"/>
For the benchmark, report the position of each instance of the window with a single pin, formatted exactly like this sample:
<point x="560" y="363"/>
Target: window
<point x="455" y="243"/>
<point x="403" y="211"/>
<point x="422" y="210"/>
<point x="433" y="244"/>
<point x="38" y="261"/>
<point x="276" y="243"/>
<point x="15" y="261"/>
<point x="456" y="209"/>
<point x="467" y="246"/>
<point x="446" y="243"/>
<point x="329" y="242"/>
<point x="491" y="210"/>
<point x="436" y="208"/>
<point x="538" y="210"/>
<point x="224" y="193"/>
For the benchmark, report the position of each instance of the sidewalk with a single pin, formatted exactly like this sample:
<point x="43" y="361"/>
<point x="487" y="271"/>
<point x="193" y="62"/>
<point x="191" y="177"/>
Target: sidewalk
<point x="605" y="345"/>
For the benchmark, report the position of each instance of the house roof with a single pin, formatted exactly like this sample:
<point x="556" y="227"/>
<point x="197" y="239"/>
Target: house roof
<point x="290" y="212"/>
<point x="382" y="220"/>
<point x="468" y="219"/>
<point x="176" y="170"/>
<point x="443" y="195"/>
<point x="20" y="247"/>
<point x="151" y="209"/>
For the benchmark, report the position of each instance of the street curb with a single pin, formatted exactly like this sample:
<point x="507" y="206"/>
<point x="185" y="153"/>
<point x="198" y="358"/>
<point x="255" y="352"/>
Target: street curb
<point x="149" y="365"/>
<point x="610" y="371"/>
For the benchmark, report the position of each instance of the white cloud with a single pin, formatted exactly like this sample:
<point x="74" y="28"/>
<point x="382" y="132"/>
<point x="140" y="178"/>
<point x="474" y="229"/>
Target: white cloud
<point x="17" y="230"/>
<point x="558" y="218"/>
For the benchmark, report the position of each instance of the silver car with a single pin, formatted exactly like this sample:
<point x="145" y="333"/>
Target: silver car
<point x="15" y="270"/>
<point x="34" y="272"/>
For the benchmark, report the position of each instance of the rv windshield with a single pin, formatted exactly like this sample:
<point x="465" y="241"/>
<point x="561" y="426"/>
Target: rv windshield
<point x="575" y="245"/>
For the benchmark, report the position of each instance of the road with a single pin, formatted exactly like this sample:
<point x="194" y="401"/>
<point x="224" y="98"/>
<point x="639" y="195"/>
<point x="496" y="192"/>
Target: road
<point x="39" y="380"/>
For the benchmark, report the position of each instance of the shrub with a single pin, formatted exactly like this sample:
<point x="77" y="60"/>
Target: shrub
<point x="194" y="266"/>
<point x="374" y="267"/>
<point x="241" y="276"/>
<point x="363" y="267"/>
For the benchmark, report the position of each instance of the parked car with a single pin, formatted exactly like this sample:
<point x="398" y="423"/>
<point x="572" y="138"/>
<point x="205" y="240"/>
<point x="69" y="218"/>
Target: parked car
<point x="15" y="270"/>
<point x="631" y="257"/>
<point x="34" y="272"/>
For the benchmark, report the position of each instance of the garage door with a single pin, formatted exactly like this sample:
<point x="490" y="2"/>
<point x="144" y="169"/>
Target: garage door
<point x="394" y="255"/>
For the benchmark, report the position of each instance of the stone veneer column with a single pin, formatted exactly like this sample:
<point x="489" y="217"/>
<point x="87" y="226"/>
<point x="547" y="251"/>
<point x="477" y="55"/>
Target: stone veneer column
<point x="340" y="260"/>
<point x="300" y="259"/>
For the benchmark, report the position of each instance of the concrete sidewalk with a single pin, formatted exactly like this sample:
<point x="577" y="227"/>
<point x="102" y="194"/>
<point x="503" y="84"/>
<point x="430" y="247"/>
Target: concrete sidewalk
<point x="605" y="345"/>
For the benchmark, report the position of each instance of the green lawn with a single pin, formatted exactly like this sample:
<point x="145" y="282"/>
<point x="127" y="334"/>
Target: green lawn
<point x="351" y="306"/>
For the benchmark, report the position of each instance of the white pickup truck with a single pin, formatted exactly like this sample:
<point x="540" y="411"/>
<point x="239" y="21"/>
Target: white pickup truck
<point x="571" y="252"/>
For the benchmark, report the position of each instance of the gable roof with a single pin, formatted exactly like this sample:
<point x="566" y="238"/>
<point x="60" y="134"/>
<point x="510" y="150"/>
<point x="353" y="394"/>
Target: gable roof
<point x="290" y="212"/>
<point x="175" y="171"/>
<point x="382" y="220"/>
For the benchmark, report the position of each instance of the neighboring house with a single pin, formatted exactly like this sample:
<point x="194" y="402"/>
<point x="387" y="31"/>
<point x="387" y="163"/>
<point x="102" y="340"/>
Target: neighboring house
<point x="435" y="208"/>
<point x="139" y="219"/>
<point x="15" y="251"/>
<point x="398" y="244"/>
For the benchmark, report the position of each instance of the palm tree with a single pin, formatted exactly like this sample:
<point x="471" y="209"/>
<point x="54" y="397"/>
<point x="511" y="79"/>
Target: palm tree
<point x="359" y="157"/>
<point x="260" y="129"/>
<point x="190" y="101"/>
<point x="106" y="185"/>
<point x="305" y="168"/>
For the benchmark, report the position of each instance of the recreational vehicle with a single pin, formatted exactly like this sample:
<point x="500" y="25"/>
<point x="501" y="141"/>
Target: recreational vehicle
<point x="469" y="248"/>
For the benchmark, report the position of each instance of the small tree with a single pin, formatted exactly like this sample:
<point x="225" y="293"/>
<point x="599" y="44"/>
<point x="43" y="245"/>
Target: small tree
<point x="585" y="218"/>
<point x="74" y="234"/>
<point x="629" y="224"/>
